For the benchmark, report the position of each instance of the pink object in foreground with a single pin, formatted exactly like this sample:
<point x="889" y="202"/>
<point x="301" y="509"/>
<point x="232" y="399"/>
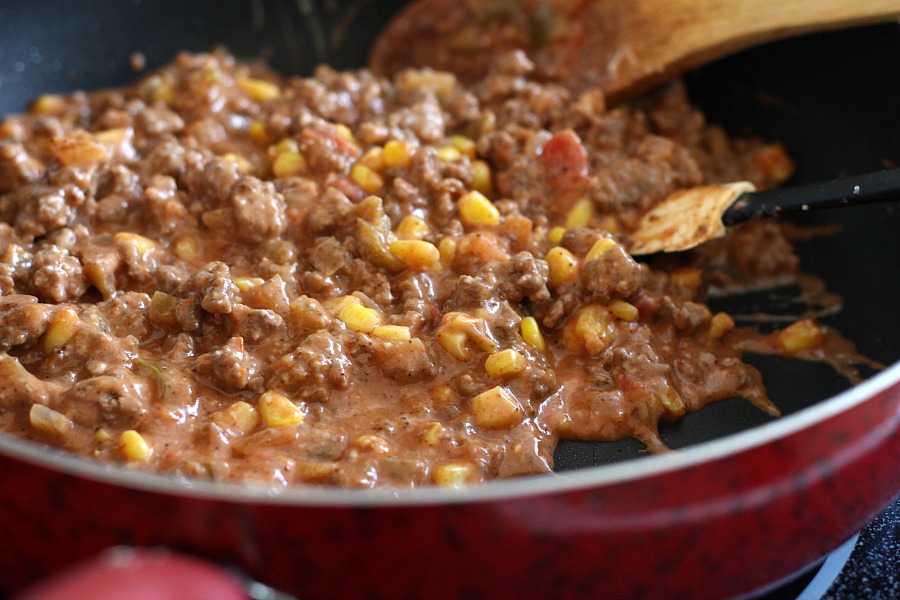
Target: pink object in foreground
<point x="139" y="574"/>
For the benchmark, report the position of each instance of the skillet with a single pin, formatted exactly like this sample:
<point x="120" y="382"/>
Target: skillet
<point x="830" y="98"/>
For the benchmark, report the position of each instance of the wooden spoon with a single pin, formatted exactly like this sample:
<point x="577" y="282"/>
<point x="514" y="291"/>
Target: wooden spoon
<point x="622" y="46"/>
<point x="690" y="217"/>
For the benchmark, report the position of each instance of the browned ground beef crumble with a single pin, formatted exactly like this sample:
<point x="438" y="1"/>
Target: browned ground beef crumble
<point x="356" y="281"/>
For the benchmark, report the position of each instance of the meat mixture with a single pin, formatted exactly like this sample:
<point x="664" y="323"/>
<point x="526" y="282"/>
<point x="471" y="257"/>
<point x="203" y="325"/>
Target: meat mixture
<point x="358" y="281"/>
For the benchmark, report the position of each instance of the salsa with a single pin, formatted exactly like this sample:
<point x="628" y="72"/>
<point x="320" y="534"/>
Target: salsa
<point x="354" y="280"/>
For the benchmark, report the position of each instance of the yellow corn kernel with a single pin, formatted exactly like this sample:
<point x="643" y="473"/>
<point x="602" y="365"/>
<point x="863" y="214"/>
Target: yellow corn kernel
<point x="134" y="447"/>
<point x="591" y="329"/>
<point x="465" y="145"/>
<point x="624" y="310"/>
<point x="287" y="145"/>
<point x="240" y="415"/>
<point x="418" y="255"/>
<point x="608" y="223"/>
<point x="399" y="333"/>
<point x="482" y="177"/>
<point x="60" y="330"/>
<point x="449" y="153"/>
<point x="555" y="235"/>
<point x="113" y="136"/>
<point x="600" y="247"/>
<point x="48" y="104"/>
<point x="531" y="333"/>
<point x="371" y="443"/>
<point x="397" y="154"/>
<point x="456" y="343"/>
<point x="259" y="89"/>
<point x="243" y="165"/>
<point x="186" y="247"/>
<point x="277" y="409"/>
<point x="580" y="214"/>
<point x="164" y="92"/>
<point x="288" y="163"/>
<point x="245" y="283"/>
<point x="447" y="248"/>
<point x="139" y="242"/>
<point x="162" y="309"/>
<point x="688" y="277"/>
<point x="475" y="209"/>
<point x="720" y="324"/>
<point x="562" y="266"/>
<point x="506" y="363"/>
<point x="411" y="227"/>
<point x="802" y="335"/>
<point x="496" y="408"/>
<point x="673" y="403"/>
<point x="374" y="159"/>
<point x="257" y="132"/>
<point x="442" y="394"/>
<point x="49" y="421"/>
<point x="433" y="434"/>
<point x="345" y="132"/>
<point x="359" y="318"/>
<point x="453" y="475"/>
<point x="101" y="435"/>
<point x="370" y="181"/>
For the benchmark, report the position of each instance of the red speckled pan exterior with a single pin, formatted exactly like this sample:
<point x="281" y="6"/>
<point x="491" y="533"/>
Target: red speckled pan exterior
<point x="717" y="520"/>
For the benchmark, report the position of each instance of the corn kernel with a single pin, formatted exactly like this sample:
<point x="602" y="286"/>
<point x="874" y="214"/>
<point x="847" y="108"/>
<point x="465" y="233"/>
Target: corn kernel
<point x="49" y="421"/>
<point x="447" y="248"/>
<point x="688" y="277"/>
<point x="371" y="443"/>
<point x="359" y="318"/>
<point x="442" y="394"/>
<point x="531" y="333"/>
<point x="240" y="415"/>
<point x="580" y="214"/>
<point x="374" y="159"/>
<point x="453" y="475"/>
<point x="277" y="410"/>
<point x="392" y="332"/>
<point x="465" y="145"/>
<point x="259" y="89"/>
<point x="449" y="153"/>
<point x="243" y="165"/>
<point x="186" y="247"/>
<point x="164" y="92"/>
<point x="370" y="181"/>
<point x="482" y="178"/>
<point x="113" y="136"/>
<point x="397" y="154"/>
<point x="101" y="435"/>
<point x="720" y="324"/>
<point x="802" y="335"/>
<point x="624" y="310"/>
<point x="257" y="132"/>
<point x="555" y="235"/>
<point x="433" y="434"/>
<point x="591" y="329"/>
<point x="455" y="343"/>
<point x="496" y="408"/>
<point x="139" y="242"/>
<point x="48" y="104"/>
<point x="418" y="255"/>
<point x="288" y="163"/>
<point x="475" y="209"/>
<point x="345" y="132"/>
<point x="246" y="283"/>
<point x="287" y="145"/>
<point x="673" y="403"/>
<point x="600" y="247"/>
<point x="162" y="310"/>
<point x="562" y="266"/>
<point x="134" y="447"/>
<point x="60" y="330"/>
<point x="506" y="363"/>
<point x="411" y="227"/>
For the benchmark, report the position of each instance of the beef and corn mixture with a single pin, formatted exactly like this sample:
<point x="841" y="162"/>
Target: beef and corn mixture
<point x="355" y="281"/>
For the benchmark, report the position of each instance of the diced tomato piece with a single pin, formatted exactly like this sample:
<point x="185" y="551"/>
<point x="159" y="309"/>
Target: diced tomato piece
<point x="564" y="160"/>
